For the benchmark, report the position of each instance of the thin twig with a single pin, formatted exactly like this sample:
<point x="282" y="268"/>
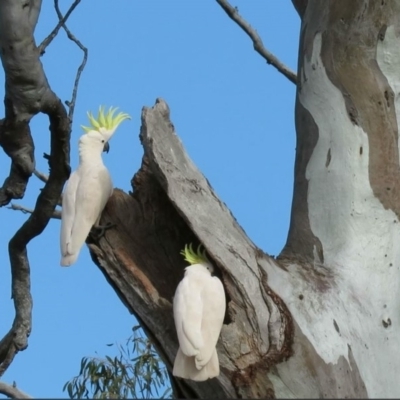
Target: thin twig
<point x="257" y="42"/>
<point x="25" y="210"/>
<point x="54" y="32"/>
<point x="71" y="103"/>
<point x="43" y="177"/>
<point x="12" y="392"/>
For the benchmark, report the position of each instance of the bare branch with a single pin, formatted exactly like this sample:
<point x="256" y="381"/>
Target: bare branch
<point x="43" y="177"/>
<point x="25" y="210"/>
<point x="17" y="207"/>
<point x="257" y="42"/>
<point x="12" y="392"/>
<point x="54" y="32"/>
<point x="72" y="102"/>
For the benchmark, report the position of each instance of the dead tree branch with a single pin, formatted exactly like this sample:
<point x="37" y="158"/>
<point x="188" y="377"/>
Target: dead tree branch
<point x="61" y="23"/>
<point x="172" y="204"/>
<point x="27" y="93"/>
<point x="72" y="102"/>
<point x="25" y="210"/>
<point x="12" y="392"/>
<point x="44" y="178"/>
<point x="257" y="42"/>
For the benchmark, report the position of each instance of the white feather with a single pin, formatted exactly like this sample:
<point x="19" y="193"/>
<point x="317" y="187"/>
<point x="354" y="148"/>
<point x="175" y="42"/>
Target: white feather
<point x="85" y="197"/>
<point x="199" y="310"/>
<point x="68" y="211"/>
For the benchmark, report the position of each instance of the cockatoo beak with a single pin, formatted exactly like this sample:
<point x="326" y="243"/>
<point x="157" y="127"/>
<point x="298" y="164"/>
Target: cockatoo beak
<point x="106" y="147"/>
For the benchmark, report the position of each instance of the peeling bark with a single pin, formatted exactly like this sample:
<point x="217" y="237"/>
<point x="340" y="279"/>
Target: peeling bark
<point x="342" y="276"/>
<point x="301" y="240"/>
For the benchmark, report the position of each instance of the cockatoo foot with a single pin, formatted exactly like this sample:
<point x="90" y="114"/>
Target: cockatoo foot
<point x="98" y="231"/>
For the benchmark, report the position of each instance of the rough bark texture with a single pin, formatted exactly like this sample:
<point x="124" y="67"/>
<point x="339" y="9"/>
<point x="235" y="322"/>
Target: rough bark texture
<point x="27" y="93"/>
<point x="321" y="321"/>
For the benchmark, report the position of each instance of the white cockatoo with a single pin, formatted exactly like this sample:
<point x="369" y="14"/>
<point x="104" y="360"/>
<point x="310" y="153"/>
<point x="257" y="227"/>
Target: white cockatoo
<point x="199" y="310"/>
<point x="89" y="187"/>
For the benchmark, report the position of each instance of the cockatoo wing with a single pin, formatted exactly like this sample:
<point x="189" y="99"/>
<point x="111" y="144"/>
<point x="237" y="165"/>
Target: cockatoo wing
<point x="91" y="197"/>
<point x="214" y="305"/>
<point x="184" y="367"/>
<point x="92" y="193"/>
<point x="188" y="311"/>
<point x="68" y="211"/>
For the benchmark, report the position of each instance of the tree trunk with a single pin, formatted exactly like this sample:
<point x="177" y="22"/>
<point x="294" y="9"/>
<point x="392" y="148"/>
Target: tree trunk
<point x="320" y="321"/>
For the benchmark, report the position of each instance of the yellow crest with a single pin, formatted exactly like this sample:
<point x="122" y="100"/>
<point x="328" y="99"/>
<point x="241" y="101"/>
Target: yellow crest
<point x="105" y="119"/>
<point x="194" y="257"/>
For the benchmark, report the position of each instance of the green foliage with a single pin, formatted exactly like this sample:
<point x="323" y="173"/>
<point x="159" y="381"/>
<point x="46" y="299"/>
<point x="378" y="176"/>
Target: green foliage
<point x="136" y="373"/>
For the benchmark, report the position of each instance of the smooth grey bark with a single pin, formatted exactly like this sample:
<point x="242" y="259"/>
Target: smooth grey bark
<point x="351" y="66"/>
<point x="338" y="256"/>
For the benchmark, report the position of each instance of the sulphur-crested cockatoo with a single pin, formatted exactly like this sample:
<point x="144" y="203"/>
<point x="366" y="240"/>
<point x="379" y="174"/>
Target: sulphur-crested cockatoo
<point x="199" y="310"/>
<point x="89" y="187"/>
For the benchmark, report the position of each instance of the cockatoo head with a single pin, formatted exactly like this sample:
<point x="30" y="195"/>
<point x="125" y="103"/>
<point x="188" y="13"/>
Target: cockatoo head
<point x="197" y="257"/>
<point x="103" y="126"/>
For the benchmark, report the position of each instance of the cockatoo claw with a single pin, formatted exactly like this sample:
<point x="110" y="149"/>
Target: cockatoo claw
<point x="98" y="231"/>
